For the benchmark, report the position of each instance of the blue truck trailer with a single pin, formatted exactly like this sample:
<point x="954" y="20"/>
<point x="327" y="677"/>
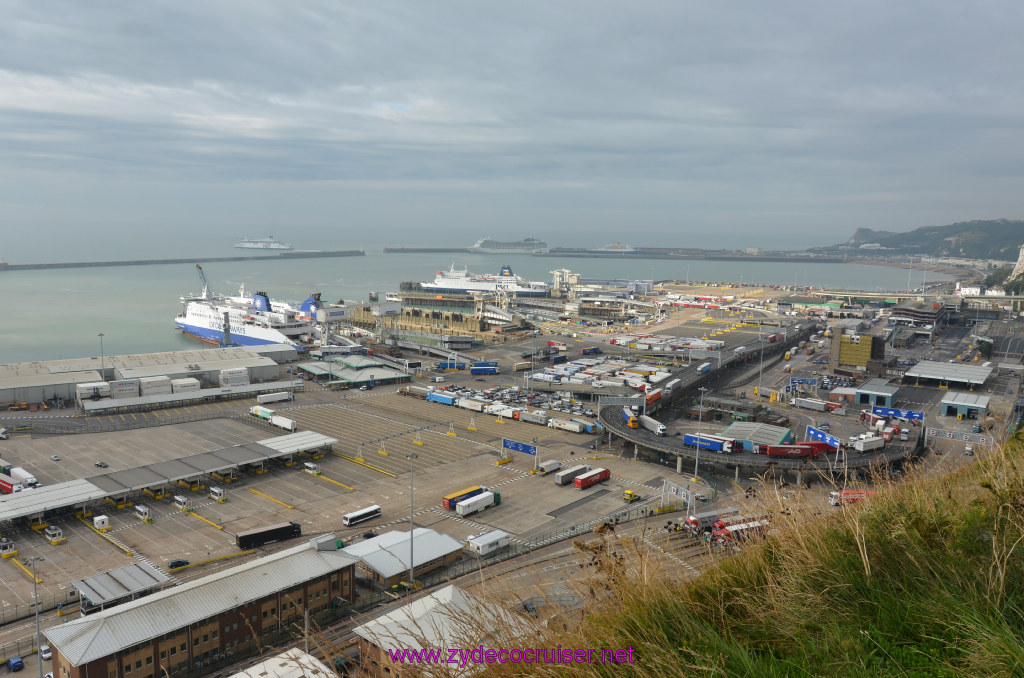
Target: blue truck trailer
<point x="488" y="369"/>
<point x="442" y="398"/>
<point x="450" y="365"/>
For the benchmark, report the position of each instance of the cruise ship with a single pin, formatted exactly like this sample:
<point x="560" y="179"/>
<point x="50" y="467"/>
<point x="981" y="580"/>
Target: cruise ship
<point x="267" y="243"/>
<point x="462" y="281"/>
<point x="524" y="246"/>
<point x="250" y="322"/>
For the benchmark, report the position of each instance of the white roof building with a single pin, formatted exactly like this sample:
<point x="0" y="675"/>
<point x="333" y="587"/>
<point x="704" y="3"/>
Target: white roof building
<point x="388" y="554"/>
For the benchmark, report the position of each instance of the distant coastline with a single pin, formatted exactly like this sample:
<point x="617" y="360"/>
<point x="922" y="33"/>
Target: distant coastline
<point x="4" y="266"/>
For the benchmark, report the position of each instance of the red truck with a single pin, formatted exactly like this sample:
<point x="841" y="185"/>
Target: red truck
<point x="787" y="451"/>
<point x="594" y="477"/>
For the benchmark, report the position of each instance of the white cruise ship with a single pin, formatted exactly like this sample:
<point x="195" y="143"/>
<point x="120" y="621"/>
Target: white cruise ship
<point x="524" y="246"/>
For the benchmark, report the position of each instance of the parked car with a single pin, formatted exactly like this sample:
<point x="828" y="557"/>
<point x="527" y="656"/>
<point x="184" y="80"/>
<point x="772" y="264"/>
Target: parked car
<point x="15" y="663"/>
<point x="175" y="564"/>
<point x="102" y="464"/>
<point x="45" y="653"/>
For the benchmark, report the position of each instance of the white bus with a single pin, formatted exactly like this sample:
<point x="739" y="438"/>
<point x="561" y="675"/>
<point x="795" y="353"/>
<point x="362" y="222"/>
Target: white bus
<point x="362" y="515"/>
<point x="265" y="398"/>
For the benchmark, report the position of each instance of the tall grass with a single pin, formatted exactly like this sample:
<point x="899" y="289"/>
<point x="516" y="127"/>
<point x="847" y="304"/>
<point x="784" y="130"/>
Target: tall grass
<point x="926" y="578"/>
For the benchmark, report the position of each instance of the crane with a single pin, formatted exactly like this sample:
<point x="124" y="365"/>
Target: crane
<point x="207" y="293"/>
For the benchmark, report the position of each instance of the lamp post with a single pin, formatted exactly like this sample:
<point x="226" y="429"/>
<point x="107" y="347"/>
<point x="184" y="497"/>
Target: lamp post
<point x="35" y="601"/>
<point x="103" y="369"/>
<point x="412" y="457"/>
<point x="700" y="421"/>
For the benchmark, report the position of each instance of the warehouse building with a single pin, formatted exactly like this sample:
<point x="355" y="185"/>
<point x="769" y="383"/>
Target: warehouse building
<point x="385" y="558"/>
<point x="185" y="628"/>
<point x="876" y="392"/>
<point x="948" y="375"/>
<point x="964" y="406"/>
<point x="750" y="434"/>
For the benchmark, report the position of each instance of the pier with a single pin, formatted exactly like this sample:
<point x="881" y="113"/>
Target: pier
<point x="190" y="260"/>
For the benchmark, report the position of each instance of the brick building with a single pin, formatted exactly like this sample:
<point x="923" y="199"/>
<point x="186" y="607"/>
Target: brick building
<point x="189" y="626"/>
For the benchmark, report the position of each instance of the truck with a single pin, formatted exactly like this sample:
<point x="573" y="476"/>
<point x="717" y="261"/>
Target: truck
<point x="670" y="387"/>
<point x="740" y="531"/>
<point x="532" y="417"/>
<point x="703" y="522"/>
<point x="869" y="444"/>
<point x="519" y="367"/>
<point x="837" y="497"/>
<point x="484" y="500"/>
<point x="557" y="345"/>
<point x="280" y="396"/>
<point x="471" y="404"/>
<point x="286" y="423"/>
<point x="811" y="404"/>
<point x="569" y="475"/>
<point x="3" y="433"/>
<point x="546" y="467"/>
<point x="442" y="398"/>
<point x="653" y="396"/>
<point x="786" y="451"/>
<point x="451" y="365"/>
<point x="703" y="368"/>
<point x="590" y="426"/>
<point x="485" y="363"/>
<point x="566" y="425"/>
<point x="437" y="380"/>
<point x="810" y="350"/>
<point x="787" y="355"/>
<point x="593" y="350"/>
<point x="24" y="477"/>
<point x="653" y="425"/>
<point x="630" y="418"/>
<point x="591" y="478"/>
<point x="449" y="501"/>
<point x="629" y="496"/>
<point x="262" y="412"/>
<point x="486" y="369"/>
<point x="709" y="442"/>
<point x="557" y="359"/>
<point x="9" y="485"/>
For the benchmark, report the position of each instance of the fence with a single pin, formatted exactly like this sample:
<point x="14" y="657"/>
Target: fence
<point x="11" y="613"/>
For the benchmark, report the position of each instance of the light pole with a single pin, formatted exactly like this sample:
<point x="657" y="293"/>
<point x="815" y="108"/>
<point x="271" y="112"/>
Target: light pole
<point x="412" y="457"/>
<point x="103" y="369"/>
<point x="700" y="421"/>
<point x="35" y="600"/>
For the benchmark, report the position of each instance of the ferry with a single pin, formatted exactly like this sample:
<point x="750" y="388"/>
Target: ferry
<point x="267" y="243"/>
<point x="252" y="323"/>
<point x="462" y="281"/>
<point x="524" y="246"/>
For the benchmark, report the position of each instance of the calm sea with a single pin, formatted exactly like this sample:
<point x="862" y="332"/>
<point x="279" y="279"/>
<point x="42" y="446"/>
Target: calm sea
<point x="49" y="314"/>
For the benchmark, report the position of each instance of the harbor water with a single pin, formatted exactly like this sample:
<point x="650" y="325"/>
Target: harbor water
<point x="59" y="313"/>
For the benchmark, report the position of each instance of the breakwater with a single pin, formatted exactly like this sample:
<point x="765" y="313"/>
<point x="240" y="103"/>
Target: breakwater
<point x="191" y="260"/>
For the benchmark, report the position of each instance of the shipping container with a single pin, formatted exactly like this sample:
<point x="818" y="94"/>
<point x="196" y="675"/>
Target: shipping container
<point x="185" y="385"/>
<point x="92" y="391"/>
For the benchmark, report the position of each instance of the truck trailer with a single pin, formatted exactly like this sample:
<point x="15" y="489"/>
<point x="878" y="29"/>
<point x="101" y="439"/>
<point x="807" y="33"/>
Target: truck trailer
<point x="630" y="418"/>
<point x="532" y="417"/>
<point x="566" y="425"/>
<point x="709" y="442"/>
<point x="591" y="478"/>
<point x="869" y="444"/>
<point x="653" y="425"/>
<point x="9" y="485"/>
<point x="546" y="467"/>
<point x="487" y="369"/>
<point x="22" y="476"/>
<point x="484" y="500"/>
<point x="449" y="501"/>
<point x="442" y="398"/>
<point x="569" y="475"/>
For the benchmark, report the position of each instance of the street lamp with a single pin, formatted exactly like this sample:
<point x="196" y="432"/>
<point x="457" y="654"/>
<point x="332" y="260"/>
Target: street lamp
<point x="103" y="369"/>
<point x="700" y="421"/>
<point x="412" y="457"/>
<point x="35" y="600"/>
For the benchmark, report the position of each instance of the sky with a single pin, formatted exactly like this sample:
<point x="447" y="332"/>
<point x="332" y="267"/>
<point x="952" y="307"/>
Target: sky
<point x="783" y="124"/>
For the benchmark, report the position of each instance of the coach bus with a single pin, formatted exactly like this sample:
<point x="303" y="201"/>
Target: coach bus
<point x="361" y="516"/>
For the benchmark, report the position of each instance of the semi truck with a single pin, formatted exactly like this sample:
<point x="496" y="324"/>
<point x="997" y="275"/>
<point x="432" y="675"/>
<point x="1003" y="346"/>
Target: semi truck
<point x="9" y="485"/>
<point x="486" y="369"/>
<point x="449" y="501"/>
<point x="703" y="522"/>
<point x="569" y="475"/>
<point x="590" y="426"/>
<point x="557" y="359"/>
<point x="709" y="442"/>
<point x="485" y="363"/>
<point x="451" y="365"/>
<point x="594" y="350"/>
<point x="532" y="417"/>
<point x="786" y="451"/>
<point x="557" y="345"/>
<point x="262" y="412"/>
<point x="591" y="478"/>
<point x="705" y="367"/>
<point x="837" y="497"/>
<point x="653" y="425"/>
<point x="22" y="476"/>
<point x="547" y="467"/>
<point x="471" y="404"/>
<point x="653" y="396"/>
<point x="816" y="405"/>
<point x="484" y="500"/>
<point x="630" y="418"/>
<point x="566" y="425"/>
<point x="442" y="398"/>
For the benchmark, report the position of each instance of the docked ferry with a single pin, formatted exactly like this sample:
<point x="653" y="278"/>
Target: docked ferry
<point x="462" y="281"/>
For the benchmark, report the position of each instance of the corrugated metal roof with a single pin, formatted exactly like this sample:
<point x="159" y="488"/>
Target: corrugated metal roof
<point x="293" y="663"/>
<point x="120" y="583"/>
<point x="104" y="633"/>
<point x="878" y="387"/>
<point x="763" y="434"/>
<point x="449" y="617"/>
<point x="968" y="374"/>
<point x="967" y="400"/>
<point x="50" y="497"/>
<point x="388" y="554"/>
<point x="95" y="406"/>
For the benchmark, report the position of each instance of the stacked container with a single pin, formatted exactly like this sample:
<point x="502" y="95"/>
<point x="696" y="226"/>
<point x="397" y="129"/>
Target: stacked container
<point x="87" y="391"/>
<point x="236" y="376"/>
<point x="124" y="388"/>
<point x="151" y="386"/>
<point x="186" y="385"/>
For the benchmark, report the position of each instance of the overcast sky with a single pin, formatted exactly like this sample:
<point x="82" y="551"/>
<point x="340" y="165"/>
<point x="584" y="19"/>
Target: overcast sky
<point x="678" y="123"/>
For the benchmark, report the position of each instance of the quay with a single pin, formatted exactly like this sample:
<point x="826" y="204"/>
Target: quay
<point x="4" y="266"/>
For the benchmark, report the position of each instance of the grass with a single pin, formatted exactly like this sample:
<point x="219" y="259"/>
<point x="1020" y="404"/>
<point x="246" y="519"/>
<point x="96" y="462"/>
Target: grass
<point x="926" y="578"/>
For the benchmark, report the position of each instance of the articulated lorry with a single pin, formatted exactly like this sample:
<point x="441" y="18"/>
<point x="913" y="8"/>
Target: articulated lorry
<point x="652" y="425"/>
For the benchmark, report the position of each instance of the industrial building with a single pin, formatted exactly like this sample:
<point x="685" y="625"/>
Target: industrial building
<point x="119" y="586"/>
<point x="36" y="382"/>
<point x="750" y="434"/>
<point x="293" y="663"/>
<point x="876" y="392"/>
<point x="190" y="626"/>
<point x="385" y="559"/>
<point x="448" y="618"/>
<point x="352" y="370"/>
<point x="964" y="406"/>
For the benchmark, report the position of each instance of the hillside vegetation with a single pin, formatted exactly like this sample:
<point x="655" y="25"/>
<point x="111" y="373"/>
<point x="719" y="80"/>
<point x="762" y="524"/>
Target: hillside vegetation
<point x="924" y="579"/>
<point x="995" y="239"/>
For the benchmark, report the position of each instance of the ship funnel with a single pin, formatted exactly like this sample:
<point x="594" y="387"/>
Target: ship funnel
<point x="310" y="305"/>
<point x="261" y="302"/>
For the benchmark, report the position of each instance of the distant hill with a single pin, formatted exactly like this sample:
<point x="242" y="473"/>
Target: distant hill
<point x="998" y="239"/>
